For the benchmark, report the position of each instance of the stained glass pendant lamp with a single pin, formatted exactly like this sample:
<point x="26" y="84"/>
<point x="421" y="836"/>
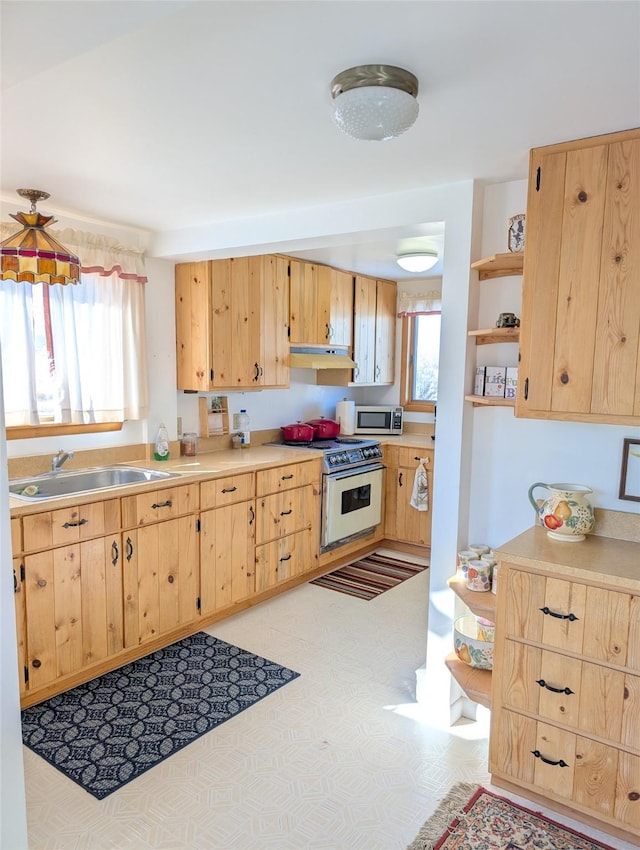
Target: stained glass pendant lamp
<point x="32" y="255"/>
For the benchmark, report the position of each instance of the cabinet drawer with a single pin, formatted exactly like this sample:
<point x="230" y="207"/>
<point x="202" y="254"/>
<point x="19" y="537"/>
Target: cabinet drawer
<point x="283" y="559"/>
<point x="591" y="698"/>
<point x="157" y="505"/>
<point x="589" y="621"/>
<point x="285" y="513"/>
<point x="227" y="491"/>
<point x="596" y="777"/>
<point x="16" y="536"/>
<point x="287" y="477"/>
<point x="407" y="456"/>
<point x="70" y="525"/>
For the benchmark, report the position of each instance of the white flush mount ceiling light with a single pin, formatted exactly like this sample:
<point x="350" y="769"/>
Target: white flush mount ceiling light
<point x="417" y="261"/>
<point x="374" y="102"/>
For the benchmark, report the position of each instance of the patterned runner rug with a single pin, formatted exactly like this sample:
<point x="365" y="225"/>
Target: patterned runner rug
<point x="370" y="576"/>
<point x="110" y="730"/>
<point x="472" y="818"/>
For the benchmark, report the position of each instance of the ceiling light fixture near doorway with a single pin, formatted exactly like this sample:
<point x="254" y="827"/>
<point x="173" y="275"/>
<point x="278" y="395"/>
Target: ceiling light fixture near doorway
<point x="417" y="261"/>
<point x="375" y="102"/>
<point x="32" y="255"/>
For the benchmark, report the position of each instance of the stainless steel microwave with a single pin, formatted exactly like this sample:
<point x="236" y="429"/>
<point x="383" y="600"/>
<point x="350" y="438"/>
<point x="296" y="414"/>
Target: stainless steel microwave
<point x="378" y="419"/>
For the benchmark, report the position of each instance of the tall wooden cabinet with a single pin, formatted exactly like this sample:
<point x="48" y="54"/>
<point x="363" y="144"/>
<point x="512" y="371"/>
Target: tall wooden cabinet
<point x="580" y="333"/>
<point x="374" y="330"/>
<point x="321" y="305"/>
<point x="232" y="319"/>
<point x="565" y="699"/>
<point x="402" y="521"/>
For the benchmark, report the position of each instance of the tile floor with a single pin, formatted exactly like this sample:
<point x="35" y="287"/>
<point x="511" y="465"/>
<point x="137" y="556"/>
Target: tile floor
<point x="341" y="758"/>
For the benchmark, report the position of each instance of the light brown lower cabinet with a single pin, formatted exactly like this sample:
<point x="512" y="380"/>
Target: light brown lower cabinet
<point x="227" y="562"/>
<point x="402" y="521"/>
<point x="565" y="701"/>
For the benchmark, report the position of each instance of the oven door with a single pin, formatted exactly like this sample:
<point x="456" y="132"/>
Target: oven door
<point x="351" y="502"/>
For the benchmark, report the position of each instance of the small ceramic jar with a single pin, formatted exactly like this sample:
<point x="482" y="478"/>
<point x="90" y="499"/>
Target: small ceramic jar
<point x="479" y="575"/>
<point x="463" y="560"/>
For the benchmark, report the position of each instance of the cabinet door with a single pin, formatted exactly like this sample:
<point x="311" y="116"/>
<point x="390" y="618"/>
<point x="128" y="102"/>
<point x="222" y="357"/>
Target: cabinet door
<point x="160" y="577"/>
<point x="303" y="302"/>
<point x="21" y="621"/>
<point x="402" y="521"/>
<point x="385" y="331"/>
<point x="227" y="556"/>
<point x="580" y="332"/>
<point x="364" y="330"/>
<point x="73" y="608"/>
<point x="286" y="558"/>
<point x="193" y="326"/>
<point x="274" y="357"/>
<point x="335" y="307"/>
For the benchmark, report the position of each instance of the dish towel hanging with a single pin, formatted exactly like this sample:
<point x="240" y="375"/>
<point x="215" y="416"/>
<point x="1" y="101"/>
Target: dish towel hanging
<point x="420" y="493"/>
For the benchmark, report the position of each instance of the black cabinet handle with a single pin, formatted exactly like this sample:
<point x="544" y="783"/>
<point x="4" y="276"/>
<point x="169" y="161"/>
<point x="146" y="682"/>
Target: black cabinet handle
<point x="115" y="553"/>
<point x="550" y="613"/>
<point x="252" y="515"/>
<point x="286" y="477"/>
<point x="166" y="504"/>
<point x="129" y="549"/>
<point x="526" y="388"/>
<point x="286" y="513"/>
<point x="553" y="690"/>
<point x="400" y="484"/>
<point x="75" y="524"/>
<point x="286" y="558"/>
<point x="559" y="763"/>
<point x="229" y="489"/>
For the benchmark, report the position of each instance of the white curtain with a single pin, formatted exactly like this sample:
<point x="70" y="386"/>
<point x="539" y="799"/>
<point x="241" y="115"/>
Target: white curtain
<point x="97" y="337"/>
<point x="419" y="304"/>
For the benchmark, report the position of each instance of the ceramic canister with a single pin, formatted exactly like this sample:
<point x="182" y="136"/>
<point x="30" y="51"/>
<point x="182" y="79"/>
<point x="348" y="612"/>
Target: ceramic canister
<point x="479" y="575"/>
<point x="463" y="560"/>
<point x="479" y="548"/>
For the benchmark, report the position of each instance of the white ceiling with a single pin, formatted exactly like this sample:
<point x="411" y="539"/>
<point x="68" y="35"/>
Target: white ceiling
<point x="170" y="115"/>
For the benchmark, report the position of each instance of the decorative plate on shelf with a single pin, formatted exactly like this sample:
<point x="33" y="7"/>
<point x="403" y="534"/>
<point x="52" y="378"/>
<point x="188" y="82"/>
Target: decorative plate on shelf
<point x="516" y="233"/>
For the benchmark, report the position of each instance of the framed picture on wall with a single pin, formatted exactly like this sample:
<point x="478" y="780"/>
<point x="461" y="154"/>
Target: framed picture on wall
<point x="630" y="472"/>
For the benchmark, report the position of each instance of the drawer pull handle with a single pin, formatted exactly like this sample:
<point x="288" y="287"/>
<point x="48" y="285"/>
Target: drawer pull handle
<point x="129" y="549"/>
<point x="553" y="690"/>
<point x="115" y="553"/>
<point x="286" y="558"/>
<point x="229" y="489"/>
<point x="36" y="663"/>
<point x="166" y="504"/>
<point x="286" y="477"/>
<point x="75" y="524"/>
<point x="286" y="513"/>
<point x="559" y="763"/>
<point x="570" y="617"/>
<point x="252" y="515"/>
<point x="400" y="484"/>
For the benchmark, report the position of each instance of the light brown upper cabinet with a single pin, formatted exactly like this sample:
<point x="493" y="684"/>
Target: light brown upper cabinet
<point x="232" y="320"/>
<point x="580" y="332"/>
<point x="374" y="335"/>
<point x="321" y="305"/>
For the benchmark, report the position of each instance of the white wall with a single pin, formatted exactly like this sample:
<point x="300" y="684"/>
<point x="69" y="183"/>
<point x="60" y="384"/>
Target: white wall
<point x="509" y="454"/>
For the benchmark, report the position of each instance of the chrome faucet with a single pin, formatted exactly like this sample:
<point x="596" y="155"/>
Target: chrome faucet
<point x="59" y="459"/>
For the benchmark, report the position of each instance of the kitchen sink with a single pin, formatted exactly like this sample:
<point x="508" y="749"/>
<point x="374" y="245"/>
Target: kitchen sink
<point x="70" y="483"/>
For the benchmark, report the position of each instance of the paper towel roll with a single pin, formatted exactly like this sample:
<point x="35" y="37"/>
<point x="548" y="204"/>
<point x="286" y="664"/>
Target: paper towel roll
<point x="346" y="416"/>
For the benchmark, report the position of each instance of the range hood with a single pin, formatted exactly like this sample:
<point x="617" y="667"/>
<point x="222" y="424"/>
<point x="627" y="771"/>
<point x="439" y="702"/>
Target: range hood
<point x="320" y="358"/>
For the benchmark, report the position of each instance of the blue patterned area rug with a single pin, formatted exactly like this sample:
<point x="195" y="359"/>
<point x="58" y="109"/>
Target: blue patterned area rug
<point x="110" y="730"/>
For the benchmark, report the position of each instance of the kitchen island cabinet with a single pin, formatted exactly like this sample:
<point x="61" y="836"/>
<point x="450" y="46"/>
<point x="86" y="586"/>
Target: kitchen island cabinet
<point x="232" y="322"/>
<point x="580" y="331"/>
<point x="566" y="677"/>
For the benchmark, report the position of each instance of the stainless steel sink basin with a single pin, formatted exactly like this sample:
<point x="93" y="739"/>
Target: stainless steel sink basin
<point x="70" y="483"/>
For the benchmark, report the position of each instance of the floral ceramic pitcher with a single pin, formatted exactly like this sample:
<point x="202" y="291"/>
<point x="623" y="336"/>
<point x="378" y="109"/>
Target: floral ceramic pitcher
<point x="566" y="513"/>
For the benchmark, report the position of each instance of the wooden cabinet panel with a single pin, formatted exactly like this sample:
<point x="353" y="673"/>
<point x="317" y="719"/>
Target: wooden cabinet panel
<point x="303" y="301"/>
<point x="607" y="625"/>
<point x="152" y="506"/>
<point x="283" y="559"/>
<point x="580" y="330"/>
<point x="160" y="578"/>
<point x="73" y="603"/>
<point x="227" y="491"/>
<point x="193" y="326"/>
<point x="16" y="535"/>
<point x="402" y="521"/>
<point x="555" y="758"/>
<point x="227" y="558"/>
<point x="386" y="292"/>
<point x="285" y="513"/>
<point x="512" y="741"/>
<point x="287" y="477"/>
<point x="321" y="305"/>
<point x="274" y="358"/>
<point x="595" y="776"/>
<point x="21" y="622"/>
<point x="69" y="525"/>
<point x="364" y="330"/>
<point x="627" y="805"/>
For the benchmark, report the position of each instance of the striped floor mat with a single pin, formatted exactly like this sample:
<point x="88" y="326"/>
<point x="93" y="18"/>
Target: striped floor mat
<point x="370" y="576"/>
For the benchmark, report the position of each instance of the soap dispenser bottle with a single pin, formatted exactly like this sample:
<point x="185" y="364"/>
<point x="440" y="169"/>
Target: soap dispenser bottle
<point x="161" y="450"/>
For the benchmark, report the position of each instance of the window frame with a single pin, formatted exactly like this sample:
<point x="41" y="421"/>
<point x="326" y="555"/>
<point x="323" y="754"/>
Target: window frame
<point x="407" y="345"/>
